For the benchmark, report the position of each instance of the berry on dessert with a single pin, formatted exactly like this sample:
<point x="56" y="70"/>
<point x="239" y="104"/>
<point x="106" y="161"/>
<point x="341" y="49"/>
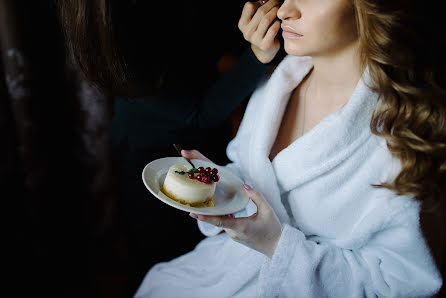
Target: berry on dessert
<point x="215" y="178"/>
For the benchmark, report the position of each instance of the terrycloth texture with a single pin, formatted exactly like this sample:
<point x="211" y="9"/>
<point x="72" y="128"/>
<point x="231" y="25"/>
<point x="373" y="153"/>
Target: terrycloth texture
<point x="341" y="236"/>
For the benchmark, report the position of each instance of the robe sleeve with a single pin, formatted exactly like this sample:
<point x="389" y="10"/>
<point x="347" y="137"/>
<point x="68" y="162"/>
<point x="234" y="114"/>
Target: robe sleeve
<point x="393" y="262"/>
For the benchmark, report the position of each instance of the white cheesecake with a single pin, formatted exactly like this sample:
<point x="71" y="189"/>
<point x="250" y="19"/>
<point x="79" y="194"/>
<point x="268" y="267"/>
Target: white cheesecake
<point x="187" y="191"/>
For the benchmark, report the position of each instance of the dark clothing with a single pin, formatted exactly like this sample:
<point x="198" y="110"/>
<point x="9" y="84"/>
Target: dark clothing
<point x="183" y="39"/>
<point x="144" y="129"/>
<point x="159" y="120"/>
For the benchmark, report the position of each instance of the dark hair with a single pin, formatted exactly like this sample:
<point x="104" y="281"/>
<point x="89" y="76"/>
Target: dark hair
<point x="99" y="34"/>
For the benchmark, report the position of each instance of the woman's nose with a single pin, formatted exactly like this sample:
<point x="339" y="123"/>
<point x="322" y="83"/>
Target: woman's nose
<point x="288" y="10"/>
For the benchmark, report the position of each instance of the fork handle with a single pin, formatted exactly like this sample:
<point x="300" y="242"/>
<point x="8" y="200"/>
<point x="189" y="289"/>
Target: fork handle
<point x="178" y="149"/>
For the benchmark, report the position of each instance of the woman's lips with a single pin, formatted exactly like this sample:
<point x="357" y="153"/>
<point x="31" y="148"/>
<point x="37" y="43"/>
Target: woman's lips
<point x="289" y="32"/>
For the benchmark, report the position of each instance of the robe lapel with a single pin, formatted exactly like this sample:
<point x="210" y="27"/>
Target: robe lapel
<point x="330" y="142"/>
<point x="275" y="97"/>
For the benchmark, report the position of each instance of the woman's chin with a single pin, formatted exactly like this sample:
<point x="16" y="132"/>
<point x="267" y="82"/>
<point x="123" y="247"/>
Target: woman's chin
<point x="295" y="51"/>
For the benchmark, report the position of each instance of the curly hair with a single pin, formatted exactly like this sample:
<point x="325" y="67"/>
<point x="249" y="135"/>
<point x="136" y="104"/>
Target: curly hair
<point x="404" y="52"/>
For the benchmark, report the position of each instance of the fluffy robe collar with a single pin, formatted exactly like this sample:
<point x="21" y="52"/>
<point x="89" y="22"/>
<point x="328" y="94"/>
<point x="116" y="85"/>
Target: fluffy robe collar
<point x="318" y="151"/>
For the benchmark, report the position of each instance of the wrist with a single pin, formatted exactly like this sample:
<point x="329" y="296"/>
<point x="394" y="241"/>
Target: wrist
<point x="261" y="55"/>
<point x="273" y="243"/>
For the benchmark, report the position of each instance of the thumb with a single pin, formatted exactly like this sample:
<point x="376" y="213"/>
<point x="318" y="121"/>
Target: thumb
<point x="255" y="196"/>
<point x="194" y="154"/>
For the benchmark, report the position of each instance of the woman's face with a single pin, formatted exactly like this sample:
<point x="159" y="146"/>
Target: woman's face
<point x="317" y="27"/>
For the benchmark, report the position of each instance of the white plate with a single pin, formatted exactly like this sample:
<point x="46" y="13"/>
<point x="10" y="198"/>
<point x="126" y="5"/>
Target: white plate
<point x="228" y="198"/>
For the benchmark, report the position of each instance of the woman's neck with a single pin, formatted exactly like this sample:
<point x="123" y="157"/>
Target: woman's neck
<point x="335" y="76"/>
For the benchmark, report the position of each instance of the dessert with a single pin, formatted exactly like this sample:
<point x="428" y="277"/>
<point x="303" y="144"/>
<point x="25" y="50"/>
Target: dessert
<point x="194" y="187"/>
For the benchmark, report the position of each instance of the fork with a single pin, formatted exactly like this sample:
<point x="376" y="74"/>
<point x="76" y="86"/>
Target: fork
<point x="178" y="149"/>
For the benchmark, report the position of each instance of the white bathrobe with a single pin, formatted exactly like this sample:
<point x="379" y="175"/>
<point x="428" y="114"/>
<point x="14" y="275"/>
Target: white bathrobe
<point x="341" y="236"/>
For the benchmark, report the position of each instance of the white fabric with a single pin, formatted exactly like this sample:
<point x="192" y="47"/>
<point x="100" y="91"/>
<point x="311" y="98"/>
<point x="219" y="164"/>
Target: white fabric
<point x="342" y="237"/>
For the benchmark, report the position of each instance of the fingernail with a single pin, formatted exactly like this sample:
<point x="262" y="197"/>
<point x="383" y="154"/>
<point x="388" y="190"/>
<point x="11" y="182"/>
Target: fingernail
<point x="247" y="187"/>
<point x="193" y="215"/>
<point x="186" y="151"/>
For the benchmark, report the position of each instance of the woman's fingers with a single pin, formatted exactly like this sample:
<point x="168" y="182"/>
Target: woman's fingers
<point x="194" y="154"/>
<point x="249" y="9"/>
<point x="229" y="221"/>
<point x="223" y="221"/>
<point x="265" y="22"/>
<point x="271" y="34"/>
<point x="261" y="13"/>
<point x="253" y="14"/>
<point x="260" y="231"/>
<point x="263" y="208"/>
<point x="259" y="26"/>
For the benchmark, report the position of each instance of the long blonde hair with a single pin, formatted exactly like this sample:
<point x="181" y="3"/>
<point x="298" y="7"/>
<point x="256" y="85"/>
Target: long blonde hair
<point x="403" y="50"/>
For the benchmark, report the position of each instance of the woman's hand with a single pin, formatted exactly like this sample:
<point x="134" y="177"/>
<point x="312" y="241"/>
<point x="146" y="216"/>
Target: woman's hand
<point x="260" y="231"/>
<point x="259" y="26"/>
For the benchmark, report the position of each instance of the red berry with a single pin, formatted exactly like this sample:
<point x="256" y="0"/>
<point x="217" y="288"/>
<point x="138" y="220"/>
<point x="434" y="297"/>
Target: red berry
<point x="214" y="171"/>
<point x="200" y="170"/>
<point x="198" y="177"/>
<point x="215" y="178"/>
<point x="208" y="170"/>
<point x="206" y="179"/>
<point x="191" y="175"/>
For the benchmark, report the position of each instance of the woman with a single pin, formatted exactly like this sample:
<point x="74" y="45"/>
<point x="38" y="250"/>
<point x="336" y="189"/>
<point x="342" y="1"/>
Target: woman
<point x="338" y="150"/>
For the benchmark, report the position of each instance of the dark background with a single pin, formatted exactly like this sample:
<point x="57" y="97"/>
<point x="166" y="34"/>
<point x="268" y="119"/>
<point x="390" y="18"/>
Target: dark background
<point x="63" y="235"/>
